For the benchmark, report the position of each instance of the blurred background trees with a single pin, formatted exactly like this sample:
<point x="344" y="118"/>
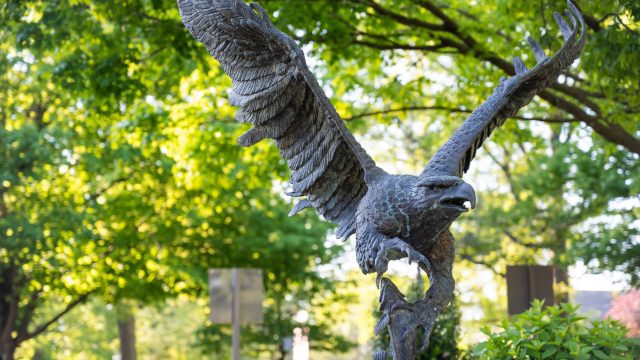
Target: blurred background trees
<point x="121" y="183"/>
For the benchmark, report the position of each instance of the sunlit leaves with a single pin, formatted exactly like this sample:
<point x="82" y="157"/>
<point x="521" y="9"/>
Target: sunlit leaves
<point x="119" y="167"/>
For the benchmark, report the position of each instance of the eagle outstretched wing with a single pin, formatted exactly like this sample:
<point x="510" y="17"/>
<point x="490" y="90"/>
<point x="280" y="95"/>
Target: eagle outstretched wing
<point x="282" y="99"/>
<point x="511" y="94"/>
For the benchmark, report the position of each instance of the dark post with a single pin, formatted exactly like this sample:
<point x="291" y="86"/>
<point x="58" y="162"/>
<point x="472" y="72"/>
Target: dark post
<point x="526" y="283"/>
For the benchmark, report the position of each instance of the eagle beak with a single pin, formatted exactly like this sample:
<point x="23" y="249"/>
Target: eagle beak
<point x="467" y="191"/>
<point x="459" y="196"/>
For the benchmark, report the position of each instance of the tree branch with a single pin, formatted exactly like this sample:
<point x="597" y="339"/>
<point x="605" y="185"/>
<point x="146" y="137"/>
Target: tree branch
<point x="448" y="23"/>
<point x="482" y="263"/>
<point x="578" y="94"/>
<point x="109" y="186"/>
<point x="618" y="20"/>
<point x="383" y="37"/>
<point x="612" y="132"/>
<point x="68" y="308"/>
<point x="472" y="17"/>
<point x="150" y="55"/>
<point x="27" y="315"/>
<point x="411" y="22"/>
<point x="591" y="22"/>
<point x="152" y="18"/>
<point x="397" y="46"/>
<point x="520" y="242"/>
<point x="401" y="18"/>
<point x="506" y="171"/>
<point x="451" y="110"/>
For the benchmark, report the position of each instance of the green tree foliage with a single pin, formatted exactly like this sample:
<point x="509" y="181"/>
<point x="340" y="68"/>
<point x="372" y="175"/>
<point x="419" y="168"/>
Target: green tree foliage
<point x="557" y="332"/>
<point x="573" y="200"/>
<point x="119" y="172"/>
<point x="89" y="332"/>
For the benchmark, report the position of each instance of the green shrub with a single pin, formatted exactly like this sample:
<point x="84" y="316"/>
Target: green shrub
<point x="557" y="332"/>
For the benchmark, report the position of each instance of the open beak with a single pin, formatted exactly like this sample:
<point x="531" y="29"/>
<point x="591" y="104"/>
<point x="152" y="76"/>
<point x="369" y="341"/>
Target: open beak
<point x="462" y="196"/>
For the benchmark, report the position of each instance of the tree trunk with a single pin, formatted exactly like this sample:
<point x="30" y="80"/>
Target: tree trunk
<point x="126" y="330"/>
<point x="8" y="309"/>
<point x="7" y="351"/>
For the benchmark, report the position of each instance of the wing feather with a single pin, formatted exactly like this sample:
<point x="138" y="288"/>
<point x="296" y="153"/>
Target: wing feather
<point x="245" y="88"/>
<point x="272" y="109"/>
<point x="271" y="129"/>
<point x="511" y="94"/>
<point x="316" y="146"/>
<point x="278" y="95"/>
<point x="327" y="190"/>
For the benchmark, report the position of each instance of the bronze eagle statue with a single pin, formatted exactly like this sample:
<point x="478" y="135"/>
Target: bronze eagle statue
<point x="393" y="216"/>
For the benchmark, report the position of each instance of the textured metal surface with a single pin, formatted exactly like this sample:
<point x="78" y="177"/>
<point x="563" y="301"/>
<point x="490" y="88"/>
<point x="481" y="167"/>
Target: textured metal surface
<point x="393" y="216"/>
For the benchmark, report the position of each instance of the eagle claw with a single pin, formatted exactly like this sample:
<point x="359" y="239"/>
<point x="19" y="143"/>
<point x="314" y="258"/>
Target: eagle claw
<point x="394" y="249"/>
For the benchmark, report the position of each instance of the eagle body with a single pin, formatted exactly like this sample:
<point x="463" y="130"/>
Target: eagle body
<point x="409" y="208"/>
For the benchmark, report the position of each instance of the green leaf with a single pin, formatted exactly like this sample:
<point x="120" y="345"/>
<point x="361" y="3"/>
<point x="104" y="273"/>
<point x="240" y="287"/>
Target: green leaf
<point x="548" y="352"/>
<point x="600" y="354"/>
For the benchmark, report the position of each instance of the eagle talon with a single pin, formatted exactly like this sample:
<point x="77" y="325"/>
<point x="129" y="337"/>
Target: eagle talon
<point x="395" y="249"/>
<point x="379" y="279"/>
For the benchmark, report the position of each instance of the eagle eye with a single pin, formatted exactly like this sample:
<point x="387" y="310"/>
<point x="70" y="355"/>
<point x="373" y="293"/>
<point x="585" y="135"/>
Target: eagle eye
<point x="439" y="183"/>
<point x="436" y="186"/>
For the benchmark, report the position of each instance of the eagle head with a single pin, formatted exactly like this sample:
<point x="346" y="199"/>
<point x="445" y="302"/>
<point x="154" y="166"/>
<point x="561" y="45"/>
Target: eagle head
<point x="442" y="198"/>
